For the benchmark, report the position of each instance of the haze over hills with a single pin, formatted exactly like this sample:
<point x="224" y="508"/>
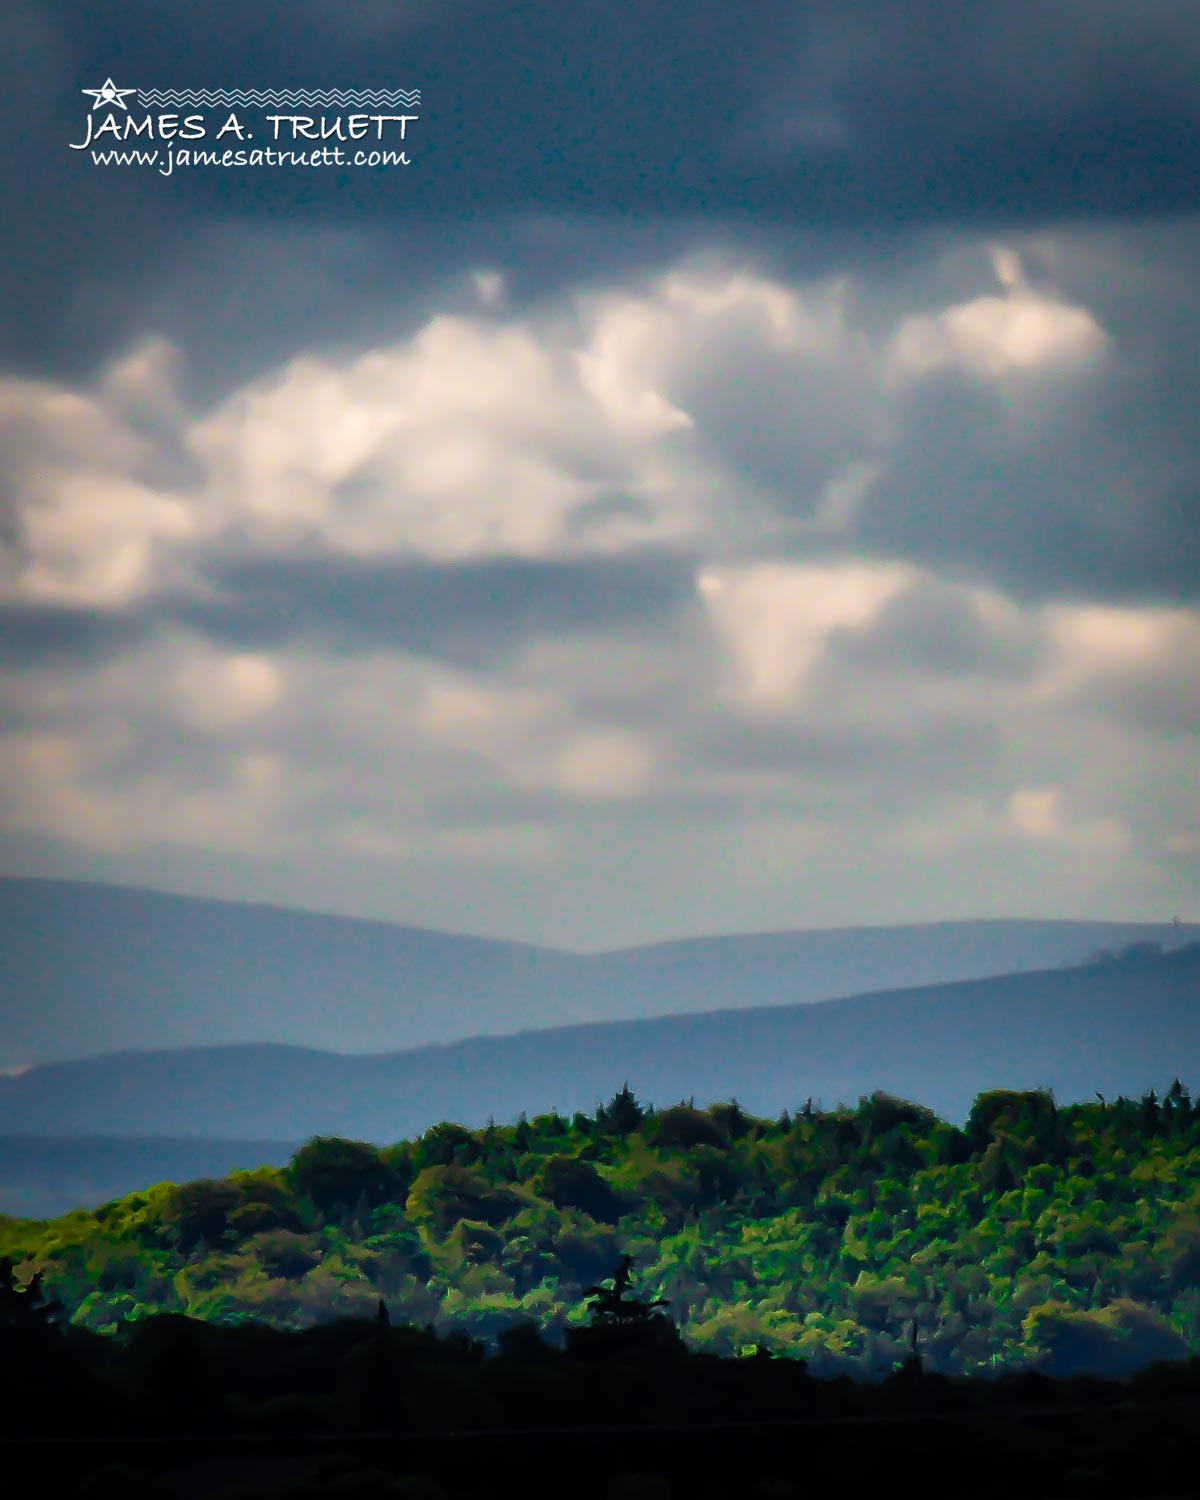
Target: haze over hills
<point x="43" y="1176"/>
<point x="1118" y="1027"/>
<point x="89" y="969"/>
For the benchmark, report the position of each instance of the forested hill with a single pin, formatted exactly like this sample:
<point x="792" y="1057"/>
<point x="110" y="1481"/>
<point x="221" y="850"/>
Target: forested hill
<point x="89" y="969"/>
<point x="1063" y="1237"/>
<point x="1119" y="1027"/>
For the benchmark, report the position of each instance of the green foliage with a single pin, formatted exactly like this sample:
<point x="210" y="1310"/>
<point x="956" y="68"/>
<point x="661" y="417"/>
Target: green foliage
<point x="881" y="1113"/>
<point x="683" y="1126"/>
<point x="1061" y="1237"/>
<point x="569" y="1182"/>
<point x="200" y="1212"/>
<point x="285" y="1254"/>
<point x="1113" y="1340"/>
<point x="334" y="1174"/>
<point x="584" y="1251"/>
<point x="474" y="1243"/>
<point x="444" y="1144"/>
<point x="441" y="1196"/>
<point x="1030" y="1115"/>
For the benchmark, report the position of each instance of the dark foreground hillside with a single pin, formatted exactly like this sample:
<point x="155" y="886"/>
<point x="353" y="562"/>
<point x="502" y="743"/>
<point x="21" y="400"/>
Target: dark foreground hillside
<point x="178" y="1410"/>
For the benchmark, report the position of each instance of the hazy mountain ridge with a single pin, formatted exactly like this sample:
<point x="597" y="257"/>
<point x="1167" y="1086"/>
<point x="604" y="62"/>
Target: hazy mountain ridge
<point x="92" y="969"/>
<point x="1118" y="1028"/>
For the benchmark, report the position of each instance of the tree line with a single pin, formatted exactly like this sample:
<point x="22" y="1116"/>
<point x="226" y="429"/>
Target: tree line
<point x="1061" y="1239"/>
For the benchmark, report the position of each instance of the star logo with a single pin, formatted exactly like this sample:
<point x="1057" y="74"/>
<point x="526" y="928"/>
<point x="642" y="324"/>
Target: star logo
<point x="108" y="94"/>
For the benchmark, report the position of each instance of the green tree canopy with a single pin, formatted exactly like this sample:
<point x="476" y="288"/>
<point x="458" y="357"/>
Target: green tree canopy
<point x="335" y="1174"/>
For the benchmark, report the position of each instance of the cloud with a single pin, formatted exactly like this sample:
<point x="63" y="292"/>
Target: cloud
<point x="62" y="788"/>
<point x="216" y="693"/>
<point x="472" y="613"/>
<point x="709" y="577"/>
<point x="1137" y="664"/>
<point x="1035" y="443"/>
<point x="477" y="472"/>
<point x="467" y="442"/>
<point x="89" y="519"/>
<point x="772" y="383"/>
<point x="620" y="139"/>
<point x="1034" y="811"/>
<point x="612" y="765"/>
<point x="943" y="631"/>
<point x="997" y="338"/>
<point x="714" y="411"/>
<point x="776" y="620"/>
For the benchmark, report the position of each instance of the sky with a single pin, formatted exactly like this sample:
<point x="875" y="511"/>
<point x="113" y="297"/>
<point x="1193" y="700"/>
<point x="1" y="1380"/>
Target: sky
<point x="741" y="472"/>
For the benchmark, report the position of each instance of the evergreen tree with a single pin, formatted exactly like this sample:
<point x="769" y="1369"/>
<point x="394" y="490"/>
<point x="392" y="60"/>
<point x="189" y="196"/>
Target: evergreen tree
<point x="622" y="1115"/>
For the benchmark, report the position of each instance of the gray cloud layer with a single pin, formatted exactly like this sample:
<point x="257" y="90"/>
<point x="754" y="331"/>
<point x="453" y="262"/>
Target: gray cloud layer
<point x="820" y="119"/>
<point x="745" y="471"/>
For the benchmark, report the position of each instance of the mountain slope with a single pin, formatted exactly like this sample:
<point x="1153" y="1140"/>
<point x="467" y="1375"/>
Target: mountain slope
<point x="91" y="969"/>
<point x="1116" y="1028"/>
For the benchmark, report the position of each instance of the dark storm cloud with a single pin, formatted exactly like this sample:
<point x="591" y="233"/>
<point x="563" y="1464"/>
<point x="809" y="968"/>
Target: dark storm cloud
<point x="241" y="296"/>
<point x="1055" y="484"/>
<point x="771" y="117"/>
<point x="1102" y="503"/>
<point x="471" y="614"/>
<point x="33" y="634"/>
<point x="775" y="419"/>
<point x="936" y="754"/>
<point x="932" y="631"/>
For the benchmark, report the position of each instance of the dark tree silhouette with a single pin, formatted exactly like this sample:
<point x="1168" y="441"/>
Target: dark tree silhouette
<point x="26" y="1307"/>
<point x="611" y="1305"/>
<point x="622" y="1115"/>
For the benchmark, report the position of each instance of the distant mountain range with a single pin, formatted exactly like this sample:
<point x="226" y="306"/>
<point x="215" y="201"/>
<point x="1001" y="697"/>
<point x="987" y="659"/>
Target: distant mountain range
<point x="1121" y="1026"/>
<point x="92" y="969"/>
<point x="176" y="1037"/>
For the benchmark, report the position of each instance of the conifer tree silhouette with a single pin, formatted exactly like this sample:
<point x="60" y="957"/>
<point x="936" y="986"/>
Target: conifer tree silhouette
<point x="611" y="1305"/>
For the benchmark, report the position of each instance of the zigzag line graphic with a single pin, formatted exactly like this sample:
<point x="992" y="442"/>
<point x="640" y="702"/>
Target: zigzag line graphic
<point x="256" y="98"/>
